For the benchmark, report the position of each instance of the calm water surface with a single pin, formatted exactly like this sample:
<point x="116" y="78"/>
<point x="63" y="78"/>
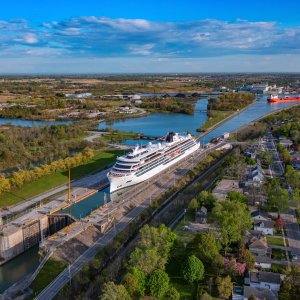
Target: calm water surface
<point x="158" y="124"/>
<point x="28" y="123"/>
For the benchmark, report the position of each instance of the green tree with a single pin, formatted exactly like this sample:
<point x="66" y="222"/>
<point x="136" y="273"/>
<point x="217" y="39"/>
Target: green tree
<point x="278" y="198"/>
<point x="206" y="296"/>
<point x="207" y="199"/>
<point x="146" y="260"/>
<point x="193" y="205"/>
<point x="232" y="220"/>
<point x="135" y="283"/>
<point x="158" y="283"/>
<point x="224" y="286"/>
<point x="112" y="291"/>
<point x="192" y="269"/>
<point x="237" y="196"/>
<point x="291" y="284"/>
<point x="206" y="247"/>
<point x="296" y="198"/>
<point x="292" y="177"/>
<point x="172" y="294"/>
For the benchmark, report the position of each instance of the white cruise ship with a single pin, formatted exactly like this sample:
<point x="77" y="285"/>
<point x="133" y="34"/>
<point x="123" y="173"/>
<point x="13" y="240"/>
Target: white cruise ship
<point x="146" y="161"/>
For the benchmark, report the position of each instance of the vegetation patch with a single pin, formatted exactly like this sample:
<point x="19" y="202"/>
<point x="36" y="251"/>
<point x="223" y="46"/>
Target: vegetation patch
<point x="277" y="241"/>
<point x="49" y="272"/>
<point x="99" y="161"/>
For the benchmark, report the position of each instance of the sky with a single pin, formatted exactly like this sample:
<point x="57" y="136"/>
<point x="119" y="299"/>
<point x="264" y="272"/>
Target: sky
<point x="111" y="36"/>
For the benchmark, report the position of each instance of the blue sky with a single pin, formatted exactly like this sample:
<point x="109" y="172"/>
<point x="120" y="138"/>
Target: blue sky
<point x="110" y="36"/>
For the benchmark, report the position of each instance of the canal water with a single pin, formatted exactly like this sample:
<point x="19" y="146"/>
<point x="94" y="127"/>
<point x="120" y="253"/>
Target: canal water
<point x="85" y="207"/>
<point x="158" y="124"/>
<point x="155" y="124"/>
<point x="18" y="268"/>
<point x="28" y="123"/>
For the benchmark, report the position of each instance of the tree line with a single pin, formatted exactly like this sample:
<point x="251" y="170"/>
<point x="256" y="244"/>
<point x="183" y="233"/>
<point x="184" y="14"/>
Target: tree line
<point x="230" y="101"/>
<point x="19" y="178"/>
<point x="168" y="104"/>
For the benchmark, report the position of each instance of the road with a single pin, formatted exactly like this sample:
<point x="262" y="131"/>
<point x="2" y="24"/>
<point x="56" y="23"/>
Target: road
<point x="293" y="232"/>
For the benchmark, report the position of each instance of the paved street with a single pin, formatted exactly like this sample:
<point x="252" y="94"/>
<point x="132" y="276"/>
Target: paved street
<point x="293" y="232"/>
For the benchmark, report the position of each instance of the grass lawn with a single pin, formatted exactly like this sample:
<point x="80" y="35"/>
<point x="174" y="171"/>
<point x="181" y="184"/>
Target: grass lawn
<point x="278" y="268"/>
<point x="277" y="241"/>
<point x="217" y="116"/>
<point x="50" y="270"/>
<point x="118" y="136"/>
<point x="184" y="235"/>
<point x="101" y="159"/>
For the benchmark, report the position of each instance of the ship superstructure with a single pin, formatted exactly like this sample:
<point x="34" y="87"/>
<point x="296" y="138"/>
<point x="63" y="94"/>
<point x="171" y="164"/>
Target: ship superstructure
<point x="146" y="161"/>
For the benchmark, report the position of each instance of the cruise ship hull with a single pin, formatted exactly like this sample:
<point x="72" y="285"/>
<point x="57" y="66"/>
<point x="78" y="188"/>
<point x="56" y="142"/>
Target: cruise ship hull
<point x="281" y="100"/>
<point x="118" y="183"/>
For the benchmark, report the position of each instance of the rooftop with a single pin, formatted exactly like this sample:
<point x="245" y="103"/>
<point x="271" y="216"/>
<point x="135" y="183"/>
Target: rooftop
<point x="265" y="277"/>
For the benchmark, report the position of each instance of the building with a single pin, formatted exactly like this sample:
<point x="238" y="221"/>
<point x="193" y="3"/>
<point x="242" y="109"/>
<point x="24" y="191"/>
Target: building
<point x="258" y="215"/>
<point x="259" y="293"/>
<point x="296" y="161"/>
<point x="285" y="142"/>
<point x="79" y="96"/>
<point x="263" y="262"/>
<point x="266" y="227"/>
<point x="201" y="215"/>
<point x="267" y="280"/>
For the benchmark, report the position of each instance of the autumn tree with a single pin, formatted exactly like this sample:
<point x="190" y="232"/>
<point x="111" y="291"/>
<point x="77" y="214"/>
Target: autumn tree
<point x="224" y="286"/>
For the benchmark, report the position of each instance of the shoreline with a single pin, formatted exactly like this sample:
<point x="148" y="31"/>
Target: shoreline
<point x="223" y="121"/>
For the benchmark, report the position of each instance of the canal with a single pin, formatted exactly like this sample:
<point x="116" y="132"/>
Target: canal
<point x="155" y="124"/>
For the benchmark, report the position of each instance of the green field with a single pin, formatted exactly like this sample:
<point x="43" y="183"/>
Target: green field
<point x="217" y="117"/>
<point x="51" y="269"/>
<point x="101" y="159"/>
<point x="277" y="241"/>
<point x="118" y="136"/>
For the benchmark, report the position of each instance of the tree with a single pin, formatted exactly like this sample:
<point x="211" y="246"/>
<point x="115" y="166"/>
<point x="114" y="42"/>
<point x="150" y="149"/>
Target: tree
<point x="292" y="177"/>
<point x="153" y="248"/>
<point x="232" y="220"/>
<point x="206" y="296"/>
<point x="4" y="184"/>
<point x="207" y="199"/>
<point x="278" y="198"/>
<point x="286" y="156"/>
<point x="206" y="247"/>
<point x="146" y="260"/>
<point x="296" y="198"/>
<point x="135" y="283"/>
<point x="172" y="294"/>
<point x="192" y="269"/>
<point x="112" y="291"/>
<point x="291" y="283"/>
<point x="245" y="256"/>
<point x="193" y="205"/>
<point x="236" y="196"/>
<point x="224" y="286"/>
<point x="158" y="283"/>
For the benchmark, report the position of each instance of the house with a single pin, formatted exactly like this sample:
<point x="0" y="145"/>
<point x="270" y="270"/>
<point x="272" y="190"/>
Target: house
<point x="260" y="248"/>
<point x="266" y="227"/>
<point x="258" y="215"/>
<point x="267" y="280"/>
<point x="263" y="262"/>
<point x="201" y="215"/>
<point x="259" y="293"/>
<point x="256" y="174"/>
<point x="285" y="142"/>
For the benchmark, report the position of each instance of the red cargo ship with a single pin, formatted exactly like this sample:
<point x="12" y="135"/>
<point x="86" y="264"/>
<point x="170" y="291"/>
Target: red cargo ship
<point x="275" y="99"/>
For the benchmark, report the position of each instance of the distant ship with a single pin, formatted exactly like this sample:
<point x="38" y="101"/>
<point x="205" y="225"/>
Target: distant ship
<point x="146" y="161"/>
<point x="275" y="99"/>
